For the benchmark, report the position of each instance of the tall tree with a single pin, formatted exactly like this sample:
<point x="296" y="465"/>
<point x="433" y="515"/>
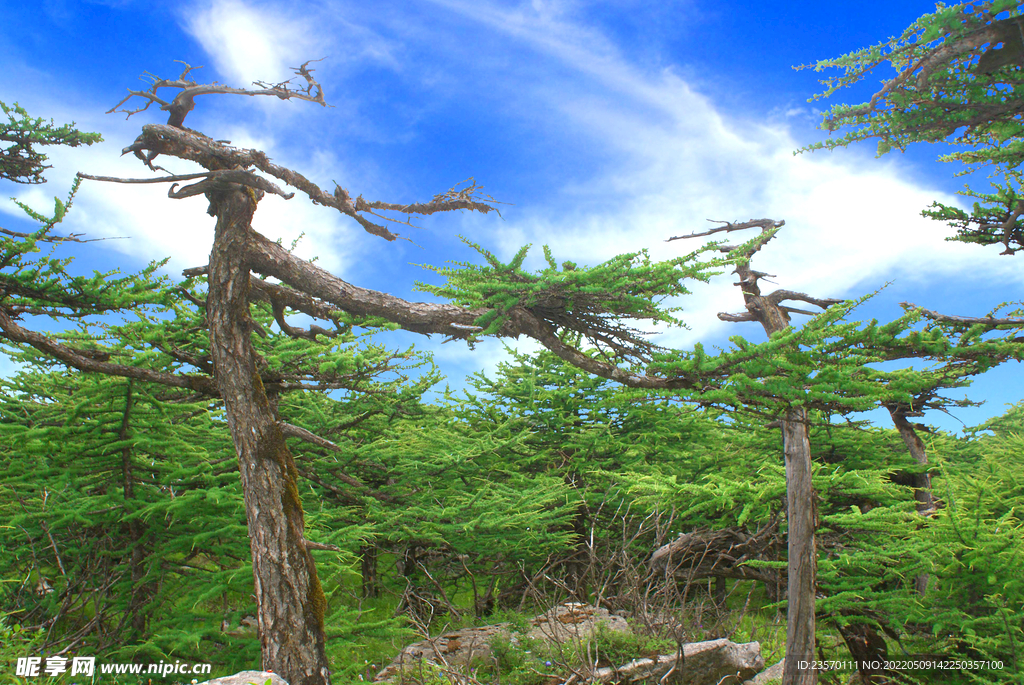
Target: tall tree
<point x="123" y="499"/>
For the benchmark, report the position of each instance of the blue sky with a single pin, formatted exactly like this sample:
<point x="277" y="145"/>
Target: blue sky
<point x="607" y="127"/>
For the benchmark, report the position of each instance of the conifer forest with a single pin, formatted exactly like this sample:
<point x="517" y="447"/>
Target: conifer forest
<point x="237" y="465"/>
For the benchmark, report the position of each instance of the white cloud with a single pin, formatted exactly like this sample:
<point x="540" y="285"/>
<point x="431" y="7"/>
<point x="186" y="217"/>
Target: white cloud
<point x="251" y="40"/>
<point x="250" y="43"/>
<point x="150" y="226"/>
<point x="853" y="222"/>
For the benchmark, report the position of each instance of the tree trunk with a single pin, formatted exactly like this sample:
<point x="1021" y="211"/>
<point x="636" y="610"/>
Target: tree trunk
<point x="803" y="558"/>
<point x="801" y="510"/>
<point x="141" y="593"/>
<point x="290" y="602"/>
<point x="922" y="481"/>
<point x="368" y="568"/>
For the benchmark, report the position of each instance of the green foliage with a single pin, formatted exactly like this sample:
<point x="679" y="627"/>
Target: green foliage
<point x="15" y="642"/>
<point x="130" y="489"/>
<point x="995" y="220"/>
<point x="21" y="134"/>
<point x="977" y="603"/>
<point x="588" y="301"/>
<point x="959" y="80"/>
<point x="940" y="88"/>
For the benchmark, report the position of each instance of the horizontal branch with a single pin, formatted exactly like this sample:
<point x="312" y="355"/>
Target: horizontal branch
<point x="71" y="238"/>
<point x="210" y="180"/>
<point x="966" y="320"/>
<point x="780" y="296"/>
<point x="320" y="545"/>
<point x="157" y="139"/>
<point x="86" y="362"/>
<point x="270" y="259"/>
<point x="764" y="224"/>
<point x="736" y="318"/>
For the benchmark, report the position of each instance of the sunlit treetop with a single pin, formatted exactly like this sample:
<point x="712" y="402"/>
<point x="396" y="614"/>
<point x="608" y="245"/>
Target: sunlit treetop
<point x="960" y="80"/>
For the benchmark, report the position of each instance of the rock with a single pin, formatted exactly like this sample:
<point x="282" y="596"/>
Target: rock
<point x="716" y="661"/>
<point x="772" y="673"/>
<point x="248" y="678"/>
<point x="569" y="621"/>
<point x="574" y="621"/>
<point x="456" y="648"/>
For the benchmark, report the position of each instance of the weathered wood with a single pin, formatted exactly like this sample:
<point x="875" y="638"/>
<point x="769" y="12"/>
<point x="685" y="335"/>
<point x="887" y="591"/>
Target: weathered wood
<point x="290" y="602"/>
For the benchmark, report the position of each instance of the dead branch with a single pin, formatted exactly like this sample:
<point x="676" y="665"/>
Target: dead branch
<point x="729" y="227"/>
<point x="780" y="296"/>
<point x="157" y="139"/>
<point x="184" y="101"/>
<point x="320" y="545"/>
<point x="211" y="180"/>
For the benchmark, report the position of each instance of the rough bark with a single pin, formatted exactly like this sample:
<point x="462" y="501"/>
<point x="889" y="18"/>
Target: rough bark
<point x="289" y="598"/>
<point x="801" y="513"/>
<point x="922" y="481"/>
<point x="802" y="558"/>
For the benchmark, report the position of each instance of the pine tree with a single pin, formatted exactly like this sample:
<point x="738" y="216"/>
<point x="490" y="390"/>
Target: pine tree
<point x="127" y="524"/>
<point x="20" y="159"/>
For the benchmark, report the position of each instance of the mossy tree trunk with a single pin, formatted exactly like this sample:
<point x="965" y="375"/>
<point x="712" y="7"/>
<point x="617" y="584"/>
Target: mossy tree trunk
<point x="289" y="598"/>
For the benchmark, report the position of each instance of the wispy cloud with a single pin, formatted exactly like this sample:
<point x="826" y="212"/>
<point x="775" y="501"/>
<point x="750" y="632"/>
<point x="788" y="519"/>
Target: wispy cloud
<point x="249" y="43"/>
<point x="144" y="224"/>
<point x="671" y="159"/>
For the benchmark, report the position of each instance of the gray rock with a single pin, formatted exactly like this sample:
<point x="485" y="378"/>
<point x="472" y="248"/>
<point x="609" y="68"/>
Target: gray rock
<point x="772" y="673"/>
<point x="248" y="678"/>
<point x="574" y="621"/>
<point x="459" y="648"/>
<point x="455" y="648"/>
<point x="716" y="661"/>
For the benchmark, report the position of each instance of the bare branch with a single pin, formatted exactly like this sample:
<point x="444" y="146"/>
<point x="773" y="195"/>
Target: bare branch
<point x="736" y="318"/>
<point x="184" y="101"/>
<point x="211" y="179"/>
<point x="794" y="310"/>
<point x="157" y="139"/>
<point x="966" y="320"/>
<point x="729" y="227"/>
<point x="70" y="238"/>
<point x="319" y="545"/>
<point x="161" y="179"/>
<point x="455" y="198"/>
<point x="780" y="296"/>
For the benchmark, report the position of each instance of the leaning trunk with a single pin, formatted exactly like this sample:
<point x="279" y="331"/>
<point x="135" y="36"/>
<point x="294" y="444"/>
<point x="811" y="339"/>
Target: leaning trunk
<point x="802" y="565"/>
<point x="290" y="602"/>
<point x="922" y="480"/>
